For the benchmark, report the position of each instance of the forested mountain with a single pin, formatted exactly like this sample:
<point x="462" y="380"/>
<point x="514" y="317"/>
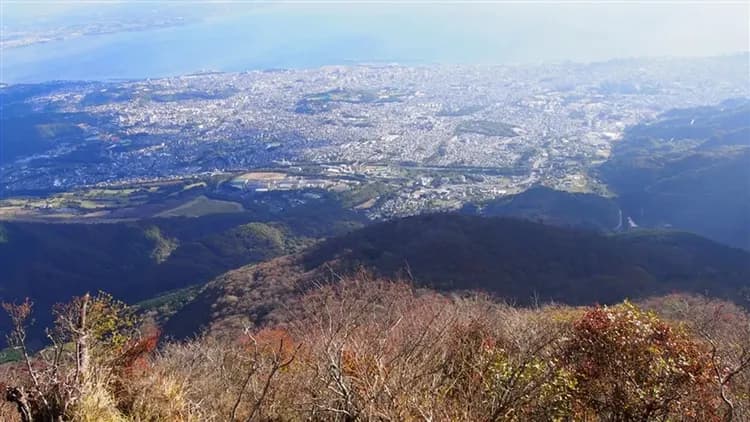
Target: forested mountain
<point x="543" y="204"/>
<point x="518" y="261"/>
<point x="689" y="169"/>
<point x="138" y="260"/>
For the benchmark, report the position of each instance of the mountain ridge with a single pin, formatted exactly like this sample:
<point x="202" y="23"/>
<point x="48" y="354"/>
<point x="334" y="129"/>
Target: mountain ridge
<point x="515" y="260"/>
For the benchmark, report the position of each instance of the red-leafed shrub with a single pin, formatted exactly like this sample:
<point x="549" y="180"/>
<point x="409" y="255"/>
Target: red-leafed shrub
<point x="630" y="365"/>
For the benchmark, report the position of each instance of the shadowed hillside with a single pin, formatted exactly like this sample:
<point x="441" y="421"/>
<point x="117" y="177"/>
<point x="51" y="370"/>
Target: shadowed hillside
<point x="690" y="169"/>
<point x="550" y="206"/>
<point x="138" y="260"/>
<point x="517" y="260"/>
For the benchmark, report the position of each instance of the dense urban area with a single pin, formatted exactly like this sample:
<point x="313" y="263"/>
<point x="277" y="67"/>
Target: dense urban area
<point x="433" y="136"/>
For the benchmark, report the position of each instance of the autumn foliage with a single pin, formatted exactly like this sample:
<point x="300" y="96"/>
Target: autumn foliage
<point x="367" y="349"/>
<point x="630" y="365"/>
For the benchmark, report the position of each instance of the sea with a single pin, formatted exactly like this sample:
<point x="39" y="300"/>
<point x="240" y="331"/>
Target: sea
<point x="312" y="36"/>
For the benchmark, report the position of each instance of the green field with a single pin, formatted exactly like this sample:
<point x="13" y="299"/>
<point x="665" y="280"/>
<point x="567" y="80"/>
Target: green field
<point x="202" y="206"/>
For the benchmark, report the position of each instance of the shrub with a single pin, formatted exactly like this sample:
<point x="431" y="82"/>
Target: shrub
<point x="371" y="349"/>
<point x="725" y="328"/>
<point x="630" y="365"/>
<point x="94" y="341"/>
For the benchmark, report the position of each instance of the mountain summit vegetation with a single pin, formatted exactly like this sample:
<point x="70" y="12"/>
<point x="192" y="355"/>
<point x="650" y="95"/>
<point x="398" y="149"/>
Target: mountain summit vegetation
<point x="372" y="349"/>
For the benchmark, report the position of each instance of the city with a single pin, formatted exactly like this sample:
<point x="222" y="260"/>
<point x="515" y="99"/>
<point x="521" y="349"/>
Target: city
<point x="435" y="136"/>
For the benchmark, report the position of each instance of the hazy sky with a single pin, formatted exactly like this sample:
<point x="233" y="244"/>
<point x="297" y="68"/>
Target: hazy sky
<point x="600" y="30"/>
<point x="234" y="37"/>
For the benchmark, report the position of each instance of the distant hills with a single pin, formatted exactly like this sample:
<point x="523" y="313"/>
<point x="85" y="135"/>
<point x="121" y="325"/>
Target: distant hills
<point x="690" y="169"/>
<point x="516" y="260"/>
